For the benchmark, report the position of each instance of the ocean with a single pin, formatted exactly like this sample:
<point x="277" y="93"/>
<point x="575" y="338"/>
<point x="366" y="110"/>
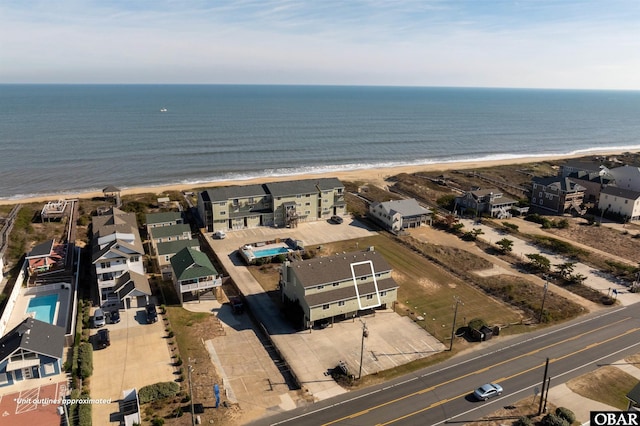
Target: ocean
<point x="61" y="139"/>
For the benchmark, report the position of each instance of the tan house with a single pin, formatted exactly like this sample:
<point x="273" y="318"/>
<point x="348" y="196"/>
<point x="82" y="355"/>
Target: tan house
<point x="622" y="201"/>
<point x="279" y="204"/>
<point x="338" y="287"/>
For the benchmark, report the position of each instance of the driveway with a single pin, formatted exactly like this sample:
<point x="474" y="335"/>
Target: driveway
<point x="138" y="356"/>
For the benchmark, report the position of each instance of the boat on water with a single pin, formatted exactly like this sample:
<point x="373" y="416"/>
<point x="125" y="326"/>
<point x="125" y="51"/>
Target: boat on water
<point x="163" y="110"/>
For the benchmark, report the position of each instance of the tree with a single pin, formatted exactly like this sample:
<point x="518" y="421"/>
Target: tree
<point x="539" y="262"/>
<point x="505" y="244"/>
<point x="577" y="278"/>
<point x="565" y="269"/>
<point x="450" y="220"/>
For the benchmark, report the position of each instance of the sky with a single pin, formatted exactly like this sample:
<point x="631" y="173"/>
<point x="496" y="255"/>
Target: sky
<point x="559" y="44"/>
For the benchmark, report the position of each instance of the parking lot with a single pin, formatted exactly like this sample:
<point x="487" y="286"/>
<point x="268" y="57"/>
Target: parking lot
<point x="138" y="356"/>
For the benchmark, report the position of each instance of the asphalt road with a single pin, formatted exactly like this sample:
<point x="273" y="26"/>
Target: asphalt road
<point x="442" y="394"/>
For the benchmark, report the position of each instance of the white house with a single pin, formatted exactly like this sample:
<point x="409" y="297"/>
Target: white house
<point x="625" y="202"/>
<point x="400" y="214"/>
<point x="627" y="177"/>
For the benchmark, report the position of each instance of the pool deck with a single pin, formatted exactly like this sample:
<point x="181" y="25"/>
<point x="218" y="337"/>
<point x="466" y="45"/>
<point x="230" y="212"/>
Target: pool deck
<point x="26" y="294"/>
<point x="250" y="254"/>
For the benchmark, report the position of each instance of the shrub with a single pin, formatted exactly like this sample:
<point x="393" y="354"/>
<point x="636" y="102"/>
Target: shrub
<point x="566" y="414"/>
<point x="85" y="359"/>
<point x="157" y="421"/>
<point x="476" y="324"/>
<point x="523" y="421"/>
<point x="84" y="411"/>
<point x="553" y="420"/>
<point x="157" y="391"/>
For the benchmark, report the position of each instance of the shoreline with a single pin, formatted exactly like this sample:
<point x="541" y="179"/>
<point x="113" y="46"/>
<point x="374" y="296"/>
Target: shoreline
<point x="375" y="176"/>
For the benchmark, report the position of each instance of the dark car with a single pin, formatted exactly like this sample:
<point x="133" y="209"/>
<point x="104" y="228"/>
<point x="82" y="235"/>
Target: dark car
<point x="236" y="304"/>
<point x="336" y="219"/>
<point x="114" y="317"/>
<point x="152" y="314"/>
<point x="487" y="391"/>
<point x="102" y="339"/>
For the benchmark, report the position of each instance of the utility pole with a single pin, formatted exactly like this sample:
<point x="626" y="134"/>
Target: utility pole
<point x="453" y="326"/>
<point x="193" y="414"/>
<point x="544" y="383"/>
<point x="544" y="296"/>
<point x="365" y="333"/>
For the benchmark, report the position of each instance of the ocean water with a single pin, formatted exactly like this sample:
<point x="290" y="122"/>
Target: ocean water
<point x="74" y="138"/>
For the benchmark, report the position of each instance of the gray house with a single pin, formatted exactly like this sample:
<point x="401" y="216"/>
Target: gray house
<point x="486" y="201"/>
<point x="396" y="215"/>
<point x="32" y="350"/>
<point x="557" y="195"/>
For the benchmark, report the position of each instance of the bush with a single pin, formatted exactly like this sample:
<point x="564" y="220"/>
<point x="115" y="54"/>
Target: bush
<point x="523" y="421"/>
<point x="553" y="420"/>
<point x="84" y="411"/>
<point x="157" y="391"/>
<point x="157" y="421"/>
<point x="476" y="324"/>
<point x="85" y="359"/>
<point x="566" y="414"/>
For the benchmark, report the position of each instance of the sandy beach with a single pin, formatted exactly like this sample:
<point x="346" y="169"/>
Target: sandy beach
<point x="374" y="176"/>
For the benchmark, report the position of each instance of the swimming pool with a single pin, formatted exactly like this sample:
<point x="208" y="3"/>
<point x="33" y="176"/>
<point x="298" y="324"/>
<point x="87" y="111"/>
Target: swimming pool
<point x="274" y="251"/>
<point x="43" y="307"/>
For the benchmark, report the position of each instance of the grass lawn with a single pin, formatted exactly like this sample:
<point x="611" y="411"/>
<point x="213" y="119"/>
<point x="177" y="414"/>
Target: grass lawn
<point x="608" y="385"/>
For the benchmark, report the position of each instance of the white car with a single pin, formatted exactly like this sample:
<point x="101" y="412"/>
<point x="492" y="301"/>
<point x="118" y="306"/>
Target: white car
<point x="487" y="391"/>
<point x="219" y="235"/>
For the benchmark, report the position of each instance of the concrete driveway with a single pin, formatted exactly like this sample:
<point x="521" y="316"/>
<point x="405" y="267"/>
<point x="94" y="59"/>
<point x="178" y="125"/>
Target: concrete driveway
<point x="138" y="356"/>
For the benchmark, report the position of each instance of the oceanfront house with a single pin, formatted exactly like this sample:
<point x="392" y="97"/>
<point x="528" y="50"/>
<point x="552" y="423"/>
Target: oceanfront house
<point x="278" y="204"/>
<point x="485" y="201"/>
<point x="165" y="234"/>
<point x="165" y="251"/>
<point x="337" y="287"/>
<point x="194" y="274"/>
<point x="593" y="182"/>
<point x="621" y="201"/>
<point x="133" y="290"/>
<point x="32" y="350"/>
<point x="46" y="256"/>
<point x="397" y="215"/>
<point x="626" y="177"/>
<point x="557" y="195"/>
<point x="116" y="249"/>
<point x="578" y="165"/>
<point x="158" y="220"/>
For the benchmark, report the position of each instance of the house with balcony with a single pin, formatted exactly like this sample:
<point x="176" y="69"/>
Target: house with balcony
<point x="557" y="195"/>
<point x="396" y="215"/>
<point x="337" y="287"/>
<point x="622" y="201"/>
<point x="158" y="220"/>
<point x="194" y="274"/>
<point x="32" y="350"/>
<point x="486" y="201"/>
<point x="165" y="251"/>
<point x="116" y="249"/>
<point x="279" y="204"/>
<point x="593" y="183"/>
<point x="46" y="256"/>
<point x="169" y="233"/>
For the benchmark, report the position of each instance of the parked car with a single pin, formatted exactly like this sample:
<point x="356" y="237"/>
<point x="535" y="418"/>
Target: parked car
<point x="219" y="235"/>
<point x="336" y="219"/>
<point x="236" y="304"/>
<point x="487" y="391"/>
<point x="152" y="314"/>
<point x="98" y="318"/>
<point x="102" y="338"/>
<point x="114" y="317"/>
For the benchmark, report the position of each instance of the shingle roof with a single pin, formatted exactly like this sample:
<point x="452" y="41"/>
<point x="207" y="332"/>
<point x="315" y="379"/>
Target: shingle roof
<point x="629" y="194"/>
<point x="171" y="247"/>
<point x="562" y="183"/>
<point x="170" y="231"/>
<point x="326" y="270"/>
<point x="35" y="336"/>
<point x="304" y="186"/>
<point x="345" y="293"/>
<point x="130" y="281"/>
<point x="42" y="249"/>
<point x="163" y="217"/>
<point x="189" y="264"/>
<point x="409" y="207"/>
<point x="224" y="193"/>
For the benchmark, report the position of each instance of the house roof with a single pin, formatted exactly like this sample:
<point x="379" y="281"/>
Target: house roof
<point x="409" y="207"/>
<point x="629" y="194"/>
<point x="111" y="188"/>
<point x="634" y="394"/>
<point x="170" y="231"/>
<point x="172" y="247"/>
<point x="586" y="165"/>
<point x="591" y="177"/>
<point x="130" y="281"/>
<point x="115" y="220"/>
<point x="116" y="247"/>
<point x="190" y="264"/>
<point x="35" y="336"/>
<point x="42" y="249"/>
<point x="564" y="184"/>
<point x="163" y="217"/>
<point x="345" y="293"/>
<point x="304" y="186"/>
<point x="337" y="268"/>
<point x="225" y="193"/>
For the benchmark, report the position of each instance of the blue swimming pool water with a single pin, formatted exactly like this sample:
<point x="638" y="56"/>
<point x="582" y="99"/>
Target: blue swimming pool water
<point x="270" y="252"/>
<point x="44" y="307"/>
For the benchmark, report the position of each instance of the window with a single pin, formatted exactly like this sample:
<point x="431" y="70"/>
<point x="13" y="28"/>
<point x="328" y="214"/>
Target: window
<point x="167" y="257"/>
<point x="369" y="296"/>
<point x="222" y="213"/>
<point x="222" y="204"/>
<point x="336" y="284"/>
<point x="320" y="287"/>
<point x="341" y="303"/>
<point x="134" y="259"/>
<point x="383" y="293"/>
<point x="3" y="379"/>
<point x="325" y="307"/>
<point x="105" y="265"/>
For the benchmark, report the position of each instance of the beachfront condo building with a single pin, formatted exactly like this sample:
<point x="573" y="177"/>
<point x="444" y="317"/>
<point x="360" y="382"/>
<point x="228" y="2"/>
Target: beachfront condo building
<point x="278" y="204"/>
<point x="337" y="287"/>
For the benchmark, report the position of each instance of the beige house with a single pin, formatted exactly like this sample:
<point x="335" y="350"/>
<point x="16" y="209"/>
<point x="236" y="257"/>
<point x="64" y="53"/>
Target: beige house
<point x="337" y="287"/>
<point x="396" y="215"/>
<point x="622" y="201"/>
<point x="279" y="204"/>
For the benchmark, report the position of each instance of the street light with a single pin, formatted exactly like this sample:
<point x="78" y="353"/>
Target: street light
<point x="365" y="333"/>
<point x="544" y="296"/>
